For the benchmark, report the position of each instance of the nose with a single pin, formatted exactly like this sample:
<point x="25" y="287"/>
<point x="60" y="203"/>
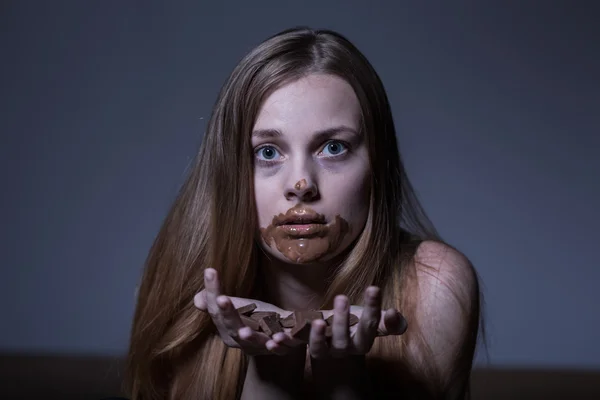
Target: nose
<point x="304" y="189"/>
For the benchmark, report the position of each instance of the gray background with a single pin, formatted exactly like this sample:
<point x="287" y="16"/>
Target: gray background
<point x="104" y="104"/>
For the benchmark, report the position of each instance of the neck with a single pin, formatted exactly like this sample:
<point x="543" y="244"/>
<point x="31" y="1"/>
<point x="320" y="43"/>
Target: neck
<point x="296" y="286"/>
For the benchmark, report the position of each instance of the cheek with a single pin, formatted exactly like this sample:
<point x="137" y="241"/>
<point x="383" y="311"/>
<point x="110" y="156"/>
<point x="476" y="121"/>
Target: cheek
<point x="350" y="197"/>
<point x="264" y="199"/>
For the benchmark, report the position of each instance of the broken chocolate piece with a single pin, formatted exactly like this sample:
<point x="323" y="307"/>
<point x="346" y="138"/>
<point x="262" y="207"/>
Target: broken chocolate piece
<point x="249" y="322"/>
<point x="270" y="324"/>
<point x="248" y="308"/>
<point x="288" y="322"/>
<point x="257" y="316"/>
<point x="352" y="320"/>
<point x="301" y="331"/>
<point x="307" y="316"/>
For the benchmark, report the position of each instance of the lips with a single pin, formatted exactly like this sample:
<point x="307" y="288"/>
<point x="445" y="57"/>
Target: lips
<point x="299" y="216"/>
<point x="304" y="230"/>
<point x="301" y="222"/>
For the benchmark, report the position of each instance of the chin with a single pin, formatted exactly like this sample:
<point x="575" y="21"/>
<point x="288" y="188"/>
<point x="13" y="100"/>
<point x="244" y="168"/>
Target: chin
<point x="296" y="258"/>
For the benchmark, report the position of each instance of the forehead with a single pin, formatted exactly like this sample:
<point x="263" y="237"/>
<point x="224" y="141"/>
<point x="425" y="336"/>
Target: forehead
<point x="312" y="103"/>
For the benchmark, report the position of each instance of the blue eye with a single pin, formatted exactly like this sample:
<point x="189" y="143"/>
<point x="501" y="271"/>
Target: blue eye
<point x="334" y="148"/>
<point x="267" y="153"/>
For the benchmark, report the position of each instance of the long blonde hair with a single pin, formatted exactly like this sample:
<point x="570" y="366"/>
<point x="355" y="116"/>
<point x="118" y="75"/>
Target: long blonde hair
<point x="174" y="352"/>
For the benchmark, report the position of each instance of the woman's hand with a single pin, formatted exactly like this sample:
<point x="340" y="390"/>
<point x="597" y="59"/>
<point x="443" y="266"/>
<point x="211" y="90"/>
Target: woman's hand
<point x="357" y="339"/>
<point x="344" y="340"/>
<point x="232" y="330"/>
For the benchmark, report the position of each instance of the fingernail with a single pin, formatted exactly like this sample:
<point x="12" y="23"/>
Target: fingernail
<point x="209" y="275"/>
<point x="373" y="291"/>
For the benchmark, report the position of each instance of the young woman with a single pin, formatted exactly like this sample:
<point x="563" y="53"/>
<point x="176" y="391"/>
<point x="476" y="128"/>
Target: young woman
<point x="298" y="200"/>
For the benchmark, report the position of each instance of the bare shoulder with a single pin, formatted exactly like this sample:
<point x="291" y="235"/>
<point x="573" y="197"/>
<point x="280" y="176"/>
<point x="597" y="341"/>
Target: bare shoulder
<point x="447" y="306"/>
<point x="442" y="269"/>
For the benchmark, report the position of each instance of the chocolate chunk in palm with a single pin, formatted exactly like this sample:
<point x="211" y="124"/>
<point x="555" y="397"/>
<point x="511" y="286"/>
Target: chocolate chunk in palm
<point x="247" y="309"/>
<point x="258" y="315"/>
<point x="288" y="322"/>
<point x="302" y="325"/>
<point x="308" y="315"/>
<point x="352" y="320"/>
<point x="301" y="331"/>
<point x="249" y="322"/>
<point x="270" y="325"/>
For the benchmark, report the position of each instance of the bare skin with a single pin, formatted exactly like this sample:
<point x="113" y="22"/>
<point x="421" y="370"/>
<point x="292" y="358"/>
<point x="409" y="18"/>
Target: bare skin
<point x="312" y="192"/>
<point x="310" y="155"/>
<point x="356" y="339"/>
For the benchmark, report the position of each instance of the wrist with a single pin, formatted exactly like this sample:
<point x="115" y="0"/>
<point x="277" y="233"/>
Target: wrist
<point x="341" y="378"/>
<point x="289" y="365"/>
<point x="274" y="376"/>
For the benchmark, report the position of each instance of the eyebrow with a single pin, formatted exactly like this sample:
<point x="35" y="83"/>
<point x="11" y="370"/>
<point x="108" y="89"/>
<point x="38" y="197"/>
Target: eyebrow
<point x="319" y="135"/>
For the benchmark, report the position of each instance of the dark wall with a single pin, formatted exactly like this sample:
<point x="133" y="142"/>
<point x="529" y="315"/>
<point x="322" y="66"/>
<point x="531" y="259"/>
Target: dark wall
<point x="103" y="105"/>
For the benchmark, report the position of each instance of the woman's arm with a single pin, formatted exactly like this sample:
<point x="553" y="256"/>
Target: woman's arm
<point x="341" y="378"/>
<point x="339" y="368"/>
<point x="440" y="345"/>
<point x="447" y="311"/>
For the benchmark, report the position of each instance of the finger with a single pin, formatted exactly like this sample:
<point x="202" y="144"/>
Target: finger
<point x="259" y="343"/>
<point x="393" y="323"/>
<point x="339" y="327"/>
<point x="230" y="318"/>
<point x="252" y="342"/>
<point x="284" y="339"/>
<point x="276" y="348"/>
<point x="317" y="342"/>
<point x="200" y="300"/>
<point x="285" y="342"/>
<point x="213" y="290"/>
<point x="369" y="320"/>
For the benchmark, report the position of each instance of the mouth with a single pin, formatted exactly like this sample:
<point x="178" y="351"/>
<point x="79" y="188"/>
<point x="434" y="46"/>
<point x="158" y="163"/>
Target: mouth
<point x="304" y="230"/>
<point x="299" y="222"/>
<point x="300" y="216"/>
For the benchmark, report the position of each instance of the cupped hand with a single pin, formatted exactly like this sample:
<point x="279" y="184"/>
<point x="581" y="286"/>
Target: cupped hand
<point x="233" y="332"/>
<point x="344" y="339"/>
<point x="357" y="339"/>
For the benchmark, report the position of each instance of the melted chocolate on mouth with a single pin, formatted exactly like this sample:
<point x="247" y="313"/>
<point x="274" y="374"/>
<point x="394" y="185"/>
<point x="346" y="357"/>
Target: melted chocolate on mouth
<point x="305" y="249"/>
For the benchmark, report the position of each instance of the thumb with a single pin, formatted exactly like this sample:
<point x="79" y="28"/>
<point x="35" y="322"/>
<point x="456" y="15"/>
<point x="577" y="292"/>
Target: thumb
<point x="200" y="301"/>
<point x="392" y="323"/>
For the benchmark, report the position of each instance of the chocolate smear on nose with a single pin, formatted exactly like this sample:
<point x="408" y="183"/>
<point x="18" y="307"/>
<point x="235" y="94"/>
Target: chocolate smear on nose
<point x="301" y="184"/>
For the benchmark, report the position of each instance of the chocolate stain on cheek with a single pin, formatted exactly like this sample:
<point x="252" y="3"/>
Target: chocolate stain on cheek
<point x="310" y="248"/>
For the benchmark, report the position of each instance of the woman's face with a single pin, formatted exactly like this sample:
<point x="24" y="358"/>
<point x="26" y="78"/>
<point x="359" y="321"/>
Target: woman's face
<point x="311" y="168"/>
